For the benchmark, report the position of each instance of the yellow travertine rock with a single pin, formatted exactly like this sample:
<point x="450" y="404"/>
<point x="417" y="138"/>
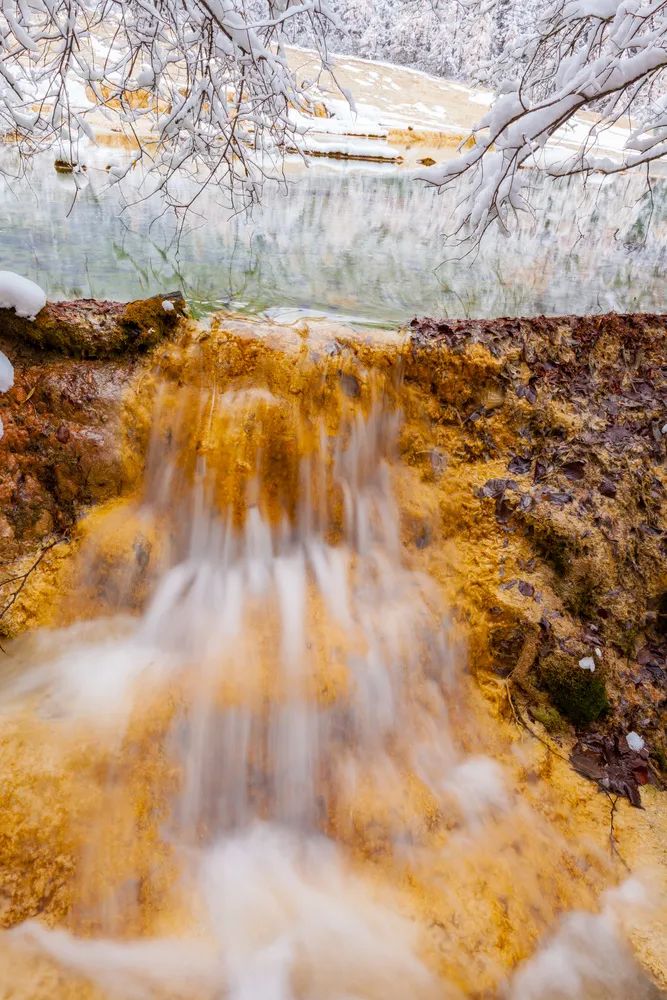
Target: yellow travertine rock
<point x="284" y="632"/>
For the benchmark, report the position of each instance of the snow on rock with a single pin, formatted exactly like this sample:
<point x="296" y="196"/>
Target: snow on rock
<point x="6" y="381"/>
<point x="6" y="373"/>
<point x="634" y="741"/>
<point x="20" y="294"/>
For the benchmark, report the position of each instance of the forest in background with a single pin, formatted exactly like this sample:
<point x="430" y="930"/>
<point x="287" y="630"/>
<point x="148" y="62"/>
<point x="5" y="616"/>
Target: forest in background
<point x="456" y="39"/>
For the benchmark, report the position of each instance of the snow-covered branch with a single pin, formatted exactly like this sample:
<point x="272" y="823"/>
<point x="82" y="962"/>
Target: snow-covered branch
<point x="202" y="85"/>
<point x="600" y="56"/>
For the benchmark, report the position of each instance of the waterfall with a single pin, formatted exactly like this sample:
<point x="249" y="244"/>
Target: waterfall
<point x="288" y="791"/>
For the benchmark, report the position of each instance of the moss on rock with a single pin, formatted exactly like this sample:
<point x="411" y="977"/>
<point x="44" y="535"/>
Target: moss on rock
<point x="580" y="695"/>
<point x="548" y="717"/>
<point x="88" y="328"/>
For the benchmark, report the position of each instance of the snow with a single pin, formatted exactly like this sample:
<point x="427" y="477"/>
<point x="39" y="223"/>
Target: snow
<point x="343" y="122"/>
<point x="587" y="663"/>
<point x="146" y="78"/>
<point x="591" y="8"/>
<point x="387" y="96"/>
<point x="6" y="373"/>
<point x="566" y="79"/>
<point x="21" y="294"/>
<point x="6" y="380"/>
<point x="168" y="306"/>
<point x="634" y="741"/>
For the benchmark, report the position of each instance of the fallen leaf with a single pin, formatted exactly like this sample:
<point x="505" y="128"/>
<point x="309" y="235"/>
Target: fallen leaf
<point x="540" y="471"/>
<point x="558" y="497"/>
<point x="574" y="471"/>
<point x="504" y="510"/>
<point x="528" y="392"/>
<point x="613" y="764"/>
<point x="520" y="464"/>
<point x="496" y="487"/>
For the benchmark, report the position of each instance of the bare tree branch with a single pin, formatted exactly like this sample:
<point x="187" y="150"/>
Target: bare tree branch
<point x="586" y="55"/>
<point x="201" y="87"/>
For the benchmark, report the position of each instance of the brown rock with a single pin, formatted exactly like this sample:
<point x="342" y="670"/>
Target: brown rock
<point x="89" y="328"/>
<point x="62" y="448"/>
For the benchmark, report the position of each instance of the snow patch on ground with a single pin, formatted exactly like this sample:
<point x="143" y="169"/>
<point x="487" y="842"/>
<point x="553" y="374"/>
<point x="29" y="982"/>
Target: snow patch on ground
<point x="395" y="97"/>
<point x="6" y="380"/>
<point x="6" y="373"/>
<point x="635" y="741"/>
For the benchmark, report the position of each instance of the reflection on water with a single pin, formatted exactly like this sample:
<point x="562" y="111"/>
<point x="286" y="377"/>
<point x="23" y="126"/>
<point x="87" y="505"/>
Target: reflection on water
<point x="359" y="244"/>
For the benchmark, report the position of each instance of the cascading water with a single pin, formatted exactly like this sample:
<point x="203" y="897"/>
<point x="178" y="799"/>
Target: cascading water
<point x="280" y="790"/>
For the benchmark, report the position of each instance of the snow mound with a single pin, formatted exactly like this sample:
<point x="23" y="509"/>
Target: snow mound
<point x="6" y="381"/>
<point x="6" y="373"/>
<point x="20" y="294"/>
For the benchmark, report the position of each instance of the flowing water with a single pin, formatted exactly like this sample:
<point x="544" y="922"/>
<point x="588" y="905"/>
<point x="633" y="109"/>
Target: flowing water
<point x="252" y="764"/>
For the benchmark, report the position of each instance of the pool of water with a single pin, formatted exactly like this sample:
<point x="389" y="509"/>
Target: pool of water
<point x="362" y="245"/>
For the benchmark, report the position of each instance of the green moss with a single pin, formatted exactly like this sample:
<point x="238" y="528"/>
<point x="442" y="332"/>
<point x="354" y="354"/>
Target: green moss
<point x="579" y="695"/>
<point x="554" y="549"/>
<point x="551" y="719"/>
<point x="624" y="636"/>
<point x="583" y="593"/>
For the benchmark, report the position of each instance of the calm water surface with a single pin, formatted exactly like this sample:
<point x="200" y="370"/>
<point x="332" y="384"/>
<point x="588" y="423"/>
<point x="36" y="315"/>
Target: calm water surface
<point x="356" y="244"/>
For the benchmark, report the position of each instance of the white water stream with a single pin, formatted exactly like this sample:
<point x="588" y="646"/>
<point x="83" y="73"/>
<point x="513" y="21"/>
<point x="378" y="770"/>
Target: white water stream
<point x="311" y="679"/>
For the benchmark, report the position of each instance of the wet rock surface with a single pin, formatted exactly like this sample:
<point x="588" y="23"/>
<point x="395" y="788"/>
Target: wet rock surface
<point x="62" y="448"/>
<point x="505" y="885"/>
<point x="542" y="438"/>
<point x="89" y="328"/>
<point x="563" y="430"/>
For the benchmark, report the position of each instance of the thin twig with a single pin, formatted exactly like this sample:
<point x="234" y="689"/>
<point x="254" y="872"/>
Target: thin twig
<point x="521" y="722"/>
<point x="23" y="577"/>
<point x="613" y="848"/>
